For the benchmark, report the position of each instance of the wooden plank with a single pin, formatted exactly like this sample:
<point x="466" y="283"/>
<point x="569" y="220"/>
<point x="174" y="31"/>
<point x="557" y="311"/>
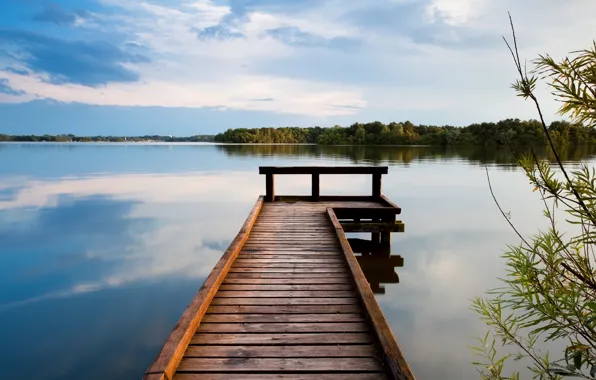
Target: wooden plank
<point x="386" y="201"/>
<point x="326" y="257"/>
<point x="366" y="212"/>
<point x="271" y="253"/>
<point x="243" y="260"/>
<point x="290" y="264"/>
<point x="373" y="227"/>
<point x="284" y="293"/>
<point x="281" y="248"/>
<point x="323" y="169"/>
<point x="280" y="318"/>
<point x="284" y="309"/>
<point x="325" y="235"/>
<point x="281" y="376"/>
<point x="345" y="199"/>
<point x="283" y="339"/>
<point x="315" y="188"/>
<point x="283" y="301"/>
<point x="392" y="354"/>
<point x="171" y="353"/>
<point x="282" y="287"/>
<point x="288" y="275"/>
<point x="289" y="270"/>
<point x="289" y="281"/>
<point x="302" y="327"/>
<point x="279" y="364"/>
<point x="331" y="351"/>
<point x="301" y="243"/>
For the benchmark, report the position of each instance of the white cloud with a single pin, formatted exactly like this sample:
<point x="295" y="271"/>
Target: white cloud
<point x="461" y="67"/>
<point x="456" y="12"/>
<point x="239" y="92"/>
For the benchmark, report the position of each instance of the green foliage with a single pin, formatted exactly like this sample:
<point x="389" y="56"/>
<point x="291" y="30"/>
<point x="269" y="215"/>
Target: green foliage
<point x="572" y="81"/>
<point x="513" y="131"/>
<point x="549" y="292"/>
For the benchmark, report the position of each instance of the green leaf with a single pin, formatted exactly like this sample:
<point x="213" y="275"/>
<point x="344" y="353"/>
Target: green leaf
<point x="577" y="360"/>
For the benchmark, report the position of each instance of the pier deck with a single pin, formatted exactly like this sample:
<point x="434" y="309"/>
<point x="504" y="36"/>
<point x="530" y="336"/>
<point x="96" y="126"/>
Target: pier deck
<point x="288" y="299"/>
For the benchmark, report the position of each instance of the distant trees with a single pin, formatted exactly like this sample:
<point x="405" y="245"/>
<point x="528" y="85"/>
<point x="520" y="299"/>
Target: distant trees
<point x="512" y="131"/>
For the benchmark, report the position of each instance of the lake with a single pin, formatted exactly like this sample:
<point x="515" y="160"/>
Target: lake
<point x="102" y="246"/>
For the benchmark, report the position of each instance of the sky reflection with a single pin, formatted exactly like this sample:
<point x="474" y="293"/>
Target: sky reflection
<point x="99" y="258"/>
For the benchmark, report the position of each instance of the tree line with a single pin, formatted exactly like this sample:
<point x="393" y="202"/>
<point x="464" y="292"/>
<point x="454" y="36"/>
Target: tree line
<point x="513" y="131"/>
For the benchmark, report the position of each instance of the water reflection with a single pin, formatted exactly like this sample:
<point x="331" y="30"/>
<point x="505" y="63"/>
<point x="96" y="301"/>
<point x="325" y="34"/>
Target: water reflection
<point x="103" y="246"/>
<point x="404" y="154"/>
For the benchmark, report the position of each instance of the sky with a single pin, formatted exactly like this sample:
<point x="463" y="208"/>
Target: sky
<point x="133" y="67"/>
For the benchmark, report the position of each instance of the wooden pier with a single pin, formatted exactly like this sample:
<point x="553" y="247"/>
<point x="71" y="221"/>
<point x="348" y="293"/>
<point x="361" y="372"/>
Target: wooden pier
<point x="289" y="299"/>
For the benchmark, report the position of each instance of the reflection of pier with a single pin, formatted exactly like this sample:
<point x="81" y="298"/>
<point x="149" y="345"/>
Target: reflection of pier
<point x="377" y="263"/>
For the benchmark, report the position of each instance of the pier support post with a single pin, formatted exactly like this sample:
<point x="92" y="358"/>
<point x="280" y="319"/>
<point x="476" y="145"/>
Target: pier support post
<point x="269" y="188"/>
<point x="315" y="187"/>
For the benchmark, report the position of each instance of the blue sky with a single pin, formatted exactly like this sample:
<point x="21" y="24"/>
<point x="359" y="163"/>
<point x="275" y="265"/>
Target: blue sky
<point x="200" y="66"/>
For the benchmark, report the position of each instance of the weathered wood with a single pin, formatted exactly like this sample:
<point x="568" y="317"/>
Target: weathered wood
<point x="283" y="301"/>
<point x="290" y="281"/>
<point x="279" y="364"/>
<point x="315" y="327"/>
<point x="281" y="287"/>
<point x="297" y="269"/>
<point x="284" y="293"/>
<point x="269" y="188"/>
<point x="283" y="339"/>
<point x="376" y="185"/>
<point x="366" y="212"/>
<point x="346" y="199"/>
<point x="272" y="253"/>
<point x="290" y="302"/>
<point x="332" y="351"/>
<point x="280" y="318"/>
<point x="375" y="227"/>
<point x="290" y="264"/>
<point x="242" y="260"/>
<point x="392" y="354"/>
<point x="316" y="192"/>
<point x="169" y="357"/>
<point x="323" y="170"/>
<point x="328" y="257"/>
<point x="288" y="275"/>
<point x="284" y="309"/>
<point x="280" y="376"/>
<point x="388" y="202"/>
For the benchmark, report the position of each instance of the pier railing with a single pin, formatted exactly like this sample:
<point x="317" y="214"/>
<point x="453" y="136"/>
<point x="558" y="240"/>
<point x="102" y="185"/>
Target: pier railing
<point x="315" y="172"/>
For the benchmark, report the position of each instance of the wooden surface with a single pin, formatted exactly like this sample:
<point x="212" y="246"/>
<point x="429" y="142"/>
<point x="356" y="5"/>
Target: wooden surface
<point x="167" y="361"/>
<point x="323" y="170"/>
<point x="391" y="353"/>
<point x="284" y="305"/>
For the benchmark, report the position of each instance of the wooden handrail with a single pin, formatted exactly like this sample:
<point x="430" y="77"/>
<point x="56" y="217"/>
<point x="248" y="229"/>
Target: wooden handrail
<point x="315" y="172"/>
<point x="323" y="170"/>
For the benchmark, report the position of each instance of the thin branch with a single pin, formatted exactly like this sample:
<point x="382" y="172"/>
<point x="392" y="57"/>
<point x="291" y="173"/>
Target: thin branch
<point x="503" y="212"/>
<point x="530" y="94"/>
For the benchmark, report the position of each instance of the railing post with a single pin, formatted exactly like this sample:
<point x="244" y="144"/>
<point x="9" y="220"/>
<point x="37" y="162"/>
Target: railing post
<point x="269" y="188"/>
<point x="315" y="187"/>
<point x="376" y="185"/>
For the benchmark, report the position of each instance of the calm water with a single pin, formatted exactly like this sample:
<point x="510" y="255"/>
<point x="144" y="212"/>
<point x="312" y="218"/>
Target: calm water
<point x="103" y="246"/>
